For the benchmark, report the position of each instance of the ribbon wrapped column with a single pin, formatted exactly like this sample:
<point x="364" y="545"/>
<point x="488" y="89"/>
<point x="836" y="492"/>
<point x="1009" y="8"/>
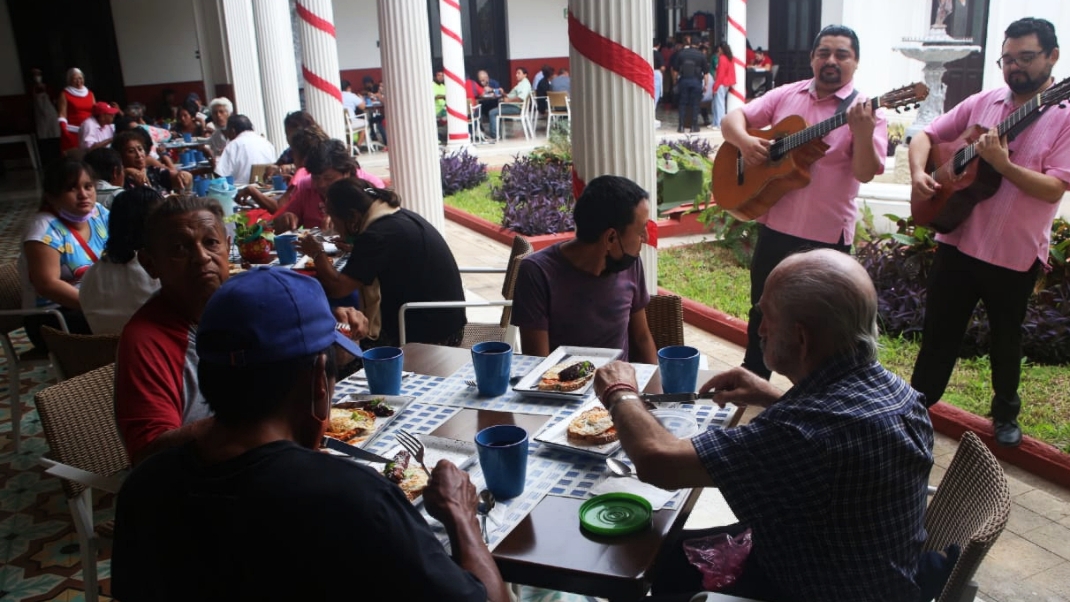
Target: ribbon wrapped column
<point x="274" y="36"/>
<point x="737" y="41"/>
<point x="612" y="93"/>
<point x="410" y="108"/>
<point x="453" y="64"/>
<point x="319" y="48"/>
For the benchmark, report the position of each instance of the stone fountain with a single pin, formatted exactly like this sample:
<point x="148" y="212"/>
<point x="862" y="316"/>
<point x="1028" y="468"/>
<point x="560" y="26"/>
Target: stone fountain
<point x="936" y="49"/>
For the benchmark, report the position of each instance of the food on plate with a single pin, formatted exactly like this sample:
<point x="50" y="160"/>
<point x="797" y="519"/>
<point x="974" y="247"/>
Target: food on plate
<point x="376" y="406"/>
<point x="351" y="425"/>
<point x="567" y="376"/>
<point x="412" y="480"/>
<point x="593" y="427"/>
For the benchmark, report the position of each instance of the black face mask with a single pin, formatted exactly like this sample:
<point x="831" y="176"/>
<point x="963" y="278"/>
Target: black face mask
<point x="614" y="265"/>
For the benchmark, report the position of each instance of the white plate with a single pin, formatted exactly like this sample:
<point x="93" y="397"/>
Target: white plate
<point x="677" y="421"/>
<point x="461" y="453"/>
<point x="398" y="402"/>
<point x="596" y="355"/>
<point x="557" y="436"/>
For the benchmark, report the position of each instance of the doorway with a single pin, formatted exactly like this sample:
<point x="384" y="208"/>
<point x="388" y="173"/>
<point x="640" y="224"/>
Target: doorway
<point x="485" y="40"/>
<point x="55" y="36"/>
<point x="793" y="24"/>
<point x="965" y="76"/>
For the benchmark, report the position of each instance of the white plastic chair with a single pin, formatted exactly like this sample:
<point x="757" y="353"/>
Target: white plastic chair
<point x="475" y="131"/>
<point x="362" y="126"/>
<point x="558" y="106"/>
<point x="524" y="117"/>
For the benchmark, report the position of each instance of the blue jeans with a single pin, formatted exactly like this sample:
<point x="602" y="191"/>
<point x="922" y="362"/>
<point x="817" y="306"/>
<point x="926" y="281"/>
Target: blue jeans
<point x="690" y="94"/>
<point x="720" y="95"/>
<point x="503" y="109"/>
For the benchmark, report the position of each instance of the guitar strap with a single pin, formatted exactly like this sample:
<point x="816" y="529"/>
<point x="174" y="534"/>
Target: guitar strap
<point x="847" y="102"/>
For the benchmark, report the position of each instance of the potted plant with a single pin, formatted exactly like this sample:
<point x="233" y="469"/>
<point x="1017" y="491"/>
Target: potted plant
<point x="680" y="172"/>
<point x="254" y="239"/>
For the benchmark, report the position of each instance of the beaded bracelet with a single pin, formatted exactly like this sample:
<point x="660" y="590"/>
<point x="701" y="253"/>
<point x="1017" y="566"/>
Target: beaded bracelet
<point x="611" y="389"/>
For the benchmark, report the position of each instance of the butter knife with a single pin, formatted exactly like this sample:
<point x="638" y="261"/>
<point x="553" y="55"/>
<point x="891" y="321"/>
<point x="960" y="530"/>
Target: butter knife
<point x="676" y="397"/>
<point x="353" y="451"/>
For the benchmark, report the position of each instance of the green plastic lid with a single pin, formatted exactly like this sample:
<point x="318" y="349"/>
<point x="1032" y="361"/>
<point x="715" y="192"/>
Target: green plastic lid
<point x="616" y="514"/>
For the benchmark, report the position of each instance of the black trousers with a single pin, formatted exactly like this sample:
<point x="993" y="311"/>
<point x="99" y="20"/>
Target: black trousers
<point x="76" y="323"/>
<point x="772" y="248"/>
<point x="676" y="579"/>
<point x="956" y="283"/>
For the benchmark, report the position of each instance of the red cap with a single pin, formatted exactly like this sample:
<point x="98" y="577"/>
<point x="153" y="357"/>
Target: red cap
<point x="103" y="108"/>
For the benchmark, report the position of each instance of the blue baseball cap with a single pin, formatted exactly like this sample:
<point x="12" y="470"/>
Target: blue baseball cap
<point x="267" y="315"/>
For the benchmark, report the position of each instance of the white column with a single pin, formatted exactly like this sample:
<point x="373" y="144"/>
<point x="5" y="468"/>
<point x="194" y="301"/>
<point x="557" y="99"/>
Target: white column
<point x="449" y="12"/>
<point x="737" y="40"/>
<point x="410" y="107"/>
<point x="319" y="50"/>
<point x="602" y="94"/>
<point x="274" y="46"/>
<point x="244" y="67"/>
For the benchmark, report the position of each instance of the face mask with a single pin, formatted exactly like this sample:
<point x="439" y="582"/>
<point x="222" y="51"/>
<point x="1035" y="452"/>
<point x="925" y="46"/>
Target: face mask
<point x="614" y="265"/>
<point x="74" y="218"/>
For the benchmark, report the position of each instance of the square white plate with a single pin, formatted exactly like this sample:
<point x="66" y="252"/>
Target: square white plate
<point x="596" y="355"/>
<point x="557" y="436"/>
<point x="397" y="402"/>
<point x="461" y="453"/>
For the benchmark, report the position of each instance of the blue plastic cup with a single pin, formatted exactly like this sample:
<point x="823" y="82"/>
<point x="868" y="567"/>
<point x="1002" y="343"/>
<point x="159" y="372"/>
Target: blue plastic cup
<point x="187" y="158"/>
<point x="503" y="456"/>
<point x="278" y="182"/>
<point x="230" y="180"/>
<point x="284" y="247"/>
<point x="200" y="186"/>
<point x="493" y="362"/>
<point x="383" y="367"/>
<point x="678" y="366"/>
<point x="187" y="137"/>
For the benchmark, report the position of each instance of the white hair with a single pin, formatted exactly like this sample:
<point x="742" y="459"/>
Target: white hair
<point x="221" y="102"/>
<point x="71" y="72"/>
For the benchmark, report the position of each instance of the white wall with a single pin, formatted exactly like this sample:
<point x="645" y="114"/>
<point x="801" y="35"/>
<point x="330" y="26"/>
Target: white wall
<point x="356" y="23"/>
<point x="11" y="80"/>
<point x="537" y="29"/>
<point x="157" y="41"/>
<point x="1003" y="12"/>
<point x="758" y="23"/>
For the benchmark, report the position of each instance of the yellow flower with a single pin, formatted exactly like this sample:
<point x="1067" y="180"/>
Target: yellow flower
<point x="46" y="239"/>
<point x="68" y="248"/>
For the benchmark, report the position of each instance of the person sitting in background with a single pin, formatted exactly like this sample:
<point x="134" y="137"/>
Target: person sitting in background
<point x="130" y="145"/>
<point x="186" y="122"/>
<point x="294" y="121"/>
<point x="438" y="88"/>
<point x="192" y="523"/>
<point x="151" y="137"/>
<point x="200" y="112"/>
<point x="74" y="105"/>
<point x="543" y="86"/>
<point x="353" y="103"/>
<point x="115" y="287"/>
<point x="513" y="103"/>
<point x="326" y="162"/>
<point x="831" y="476"/>
<point x="591" y="291"/>
<point x="98" y="129"/>
<point x="245" y="149"/>
<point x="373" y="97"/>
<point x="301" y="144"/>
<point x="220" y="110"/>
<point x="397" y="258"/>
<point x="107" y="168"/>
<point x="761" y="59"/>
<point x="168" y="108"/>
<point x="562" y="82"/>
<point x="60" y="242"/>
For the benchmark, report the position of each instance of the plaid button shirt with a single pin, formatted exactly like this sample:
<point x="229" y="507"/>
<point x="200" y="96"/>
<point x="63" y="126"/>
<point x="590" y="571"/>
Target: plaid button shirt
<point x="832" y="480"/>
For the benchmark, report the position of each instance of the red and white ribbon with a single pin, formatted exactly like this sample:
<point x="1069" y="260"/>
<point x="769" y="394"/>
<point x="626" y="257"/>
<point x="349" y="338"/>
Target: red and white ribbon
<point x="737" y="41"/>
<point x="319" y="49"/>
<point x="453" y="65"/>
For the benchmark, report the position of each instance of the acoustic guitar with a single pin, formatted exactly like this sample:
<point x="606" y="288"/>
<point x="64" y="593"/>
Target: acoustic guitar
<point x="964" y="178"/>
<point x="749" y="192"/>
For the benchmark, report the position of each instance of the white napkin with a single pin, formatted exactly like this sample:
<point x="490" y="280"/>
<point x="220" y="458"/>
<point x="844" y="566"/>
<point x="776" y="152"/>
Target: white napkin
<point x="657" y="497"/>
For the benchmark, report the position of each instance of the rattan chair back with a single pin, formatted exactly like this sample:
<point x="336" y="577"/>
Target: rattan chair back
<point x="665" y="315"/>
<point x="10" y="296"/>
<point x="78" y="419"/>
<point x="76" y="354"/>
<point x="970" y="508"/>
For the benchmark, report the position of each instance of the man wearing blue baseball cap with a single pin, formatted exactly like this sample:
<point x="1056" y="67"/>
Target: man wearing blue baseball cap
<point x="251" y="510"/>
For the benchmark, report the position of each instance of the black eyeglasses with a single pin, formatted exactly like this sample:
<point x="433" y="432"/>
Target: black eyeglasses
<point x="1022" y="60"/>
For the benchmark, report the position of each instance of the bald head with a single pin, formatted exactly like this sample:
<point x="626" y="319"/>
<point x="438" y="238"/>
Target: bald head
<point x="831" y="295"/>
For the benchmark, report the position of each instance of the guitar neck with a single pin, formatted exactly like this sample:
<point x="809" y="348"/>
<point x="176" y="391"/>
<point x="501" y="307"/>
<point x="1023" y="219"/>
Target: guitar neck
<point x="818" y="130"/>
<point x="1011" y="125"/>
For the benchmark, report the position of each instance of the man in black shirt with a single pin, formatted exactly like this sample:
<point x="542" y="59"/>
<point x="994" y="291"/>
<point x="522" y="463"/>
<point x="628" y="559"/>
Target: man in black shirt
<point x="689" y="65"/>
<point x="251" y="511"/>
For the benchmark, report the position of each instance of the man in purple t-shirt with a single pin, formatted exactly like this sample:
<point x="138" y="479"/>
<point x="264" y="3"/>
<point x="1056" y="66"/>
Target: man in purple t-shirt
<point x="589" y="291"/>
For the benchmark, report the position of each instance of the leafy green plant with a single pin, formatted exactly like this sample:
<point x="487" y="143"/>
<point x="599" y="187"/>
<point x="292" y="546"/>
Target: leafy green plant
<point x="244" y="231"/>
<point x="733" y="234"/>
<point x="558" y="147"/>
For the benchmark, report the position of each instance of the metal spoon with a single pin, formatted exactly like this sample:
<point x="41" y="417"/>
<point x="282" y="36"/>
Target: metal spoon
<point x="486" y="502"/>
<point x="620" y="469"/>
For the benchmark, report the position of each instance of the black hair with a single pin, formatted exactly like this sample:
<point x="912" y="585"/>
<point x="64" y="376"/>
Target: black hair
<point x="837" y="30"/>
<point x="104" y="161"/>
<point x="522" y="70"/>
<point x="177" y="205"/>
<point x="1043" y="29"/>
<point x="123" y="123"/>
<point x="247" y="395"/>
<point x="547" y="71"/>
<point x="726" y="49"/>
<point x="126" y="222"/>
<point x="332" y="154"/>
<point x="345" y="84"/>
<point x="62" y="175"/>
<point x="304" y="141"/>
<point x="239" y="123"/>
<point x="298" y="120"/>
<point x="349" y="196"/>
<point x="124" y="137"/>
<point x="190" y="107"/>
<point x="607" y="202"/>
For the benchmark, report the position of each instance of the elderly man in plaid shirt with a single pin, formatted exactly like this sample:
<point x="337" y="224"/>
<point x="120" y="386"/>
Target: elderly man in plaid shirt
<point x="831" y="477"/>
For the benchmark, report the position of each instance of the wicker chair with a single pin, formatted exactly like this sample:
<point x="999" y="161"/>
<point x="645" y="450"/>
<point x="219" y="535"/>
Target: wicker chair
<point x="970" y="508"/>
<point x="86" y="452"/>
<point x="76" y="354"/>
<point x="11" y="318"/>
<point x="475" y="332"/>
<point x="665" y="315"/>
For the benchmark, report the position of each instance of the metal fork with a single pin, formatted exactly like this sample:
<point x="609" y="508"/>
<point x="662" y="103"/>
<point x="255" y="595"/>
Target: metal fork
<point x="413" y="446"/>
